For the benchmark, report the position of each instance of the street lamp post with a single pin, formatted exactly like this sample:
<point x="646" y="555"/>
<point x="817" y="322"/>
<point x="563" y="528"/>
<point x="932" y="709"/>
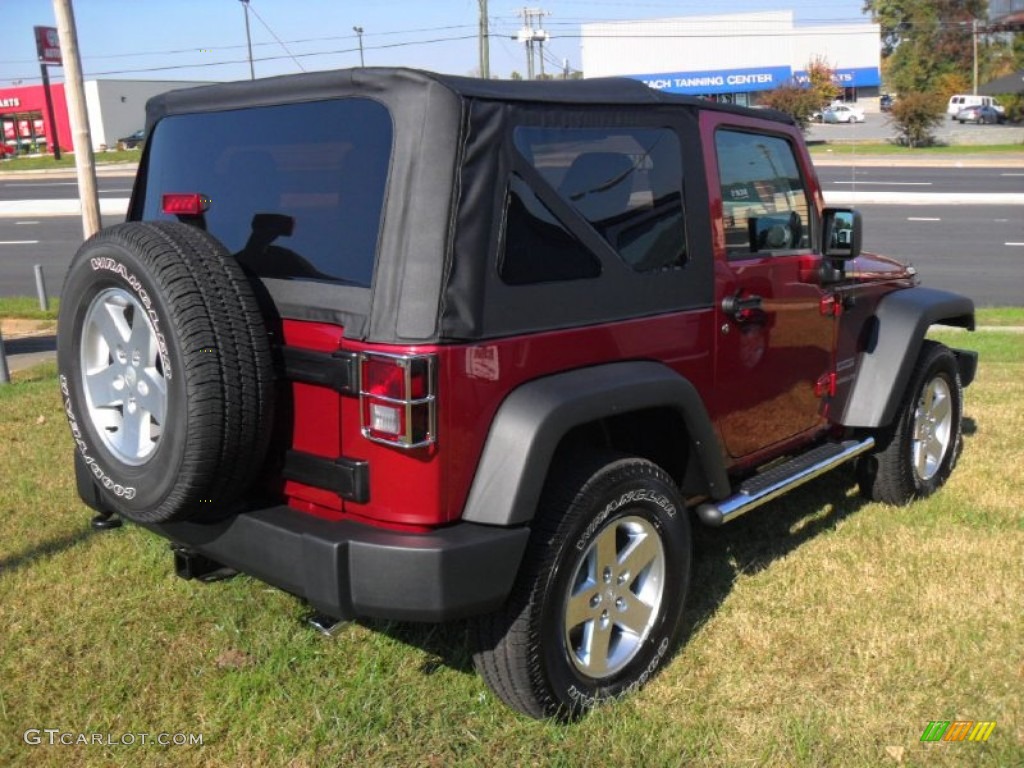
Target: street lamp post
<point x="359" y="32"/>
<point x="248" y="39"/>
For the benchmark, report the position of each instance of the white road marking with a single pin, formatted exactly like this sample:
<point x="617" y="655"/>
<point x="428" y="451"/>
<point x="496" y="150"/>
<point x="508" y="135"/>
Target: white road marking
<point x="19" y="242"/>
<point x="1011" y="174"/>
<point x="1019" y="245"/>
<point x="922" y="218"/>
<point x="890" y="183"/>
<point x="25" y="222"/>
<point x="17" y="209"/>
<point x="892" y="197"/>
<point x="44" y="183"/>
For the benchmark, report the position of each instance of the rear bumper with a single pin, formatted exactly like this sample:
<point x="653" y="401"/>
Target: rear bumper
<point x="345" y="569"/>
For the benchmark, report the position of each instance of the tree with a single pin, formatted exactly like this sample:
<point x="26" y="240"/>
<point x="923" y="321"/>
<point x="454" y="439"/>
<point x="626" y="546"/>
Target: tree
<point x="924" y="39"/>
<point x="801" y="100"/>
<point x="916" y="115"/>
<point x="797" y="102"/>
<point x="821" y="80"/>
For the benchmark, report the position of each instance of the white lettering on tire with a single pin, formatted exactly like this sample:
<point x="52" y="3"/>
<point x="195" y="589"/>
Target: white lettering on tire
<point x="588" y="701"/>
<point x="111" y="265"/>
<point x="126" y="492"/>
<point x="642" y="494"/>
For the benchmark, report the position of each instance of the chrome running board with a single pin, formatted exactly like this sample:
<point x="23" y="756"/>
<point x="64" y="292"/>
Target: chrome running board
<point x="776" y="481"/>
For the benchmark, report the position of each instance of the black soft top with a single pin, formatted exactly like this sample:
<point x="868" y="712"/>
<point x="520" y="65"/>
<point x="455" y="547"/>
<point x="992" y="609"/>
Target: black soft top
<point x="314" y="86"/>
<point x="434" y="279"/>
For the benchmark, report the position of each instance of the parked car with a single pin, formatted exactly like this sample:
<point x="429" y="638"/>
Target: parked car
<point x="981" y="114"/>
<point x="135" y="141"/>
<point x="842" y="113"/>
<point x="961" y="101"/>
<point x="885" y="102"/>
<point x="485" y="349"/>
<point x="6" y="149"/>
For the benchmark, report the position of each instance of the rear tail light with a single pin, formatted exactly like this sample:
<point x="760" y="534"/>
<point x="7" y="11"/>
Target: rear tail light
<point x="397" y="399"/>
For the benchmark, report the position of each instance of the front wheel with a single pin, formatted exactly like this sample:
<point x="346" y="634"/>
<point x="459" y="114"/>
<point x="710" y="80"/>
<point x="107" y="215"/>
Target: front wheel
<point x="922" y="447"/>
<point x="598" y="602"/>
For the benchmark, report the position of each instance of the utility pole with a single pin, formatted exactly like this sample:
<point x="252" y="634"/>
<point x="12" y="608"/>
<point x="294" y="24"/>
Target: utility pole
<point x="74" y="91"/>
<point x="44" y="70"/>
<point x="974" y="40"/>
<point x="359" y="33"/>
<point x="248" y="39"/>
<point x="485" y="43"/>
<point x="530" y="35"/>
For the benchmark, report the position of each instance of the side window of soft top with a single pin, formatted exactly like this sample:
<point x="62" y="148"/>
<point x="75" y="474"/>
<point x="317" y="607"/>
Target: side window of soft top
<point x="765" y="205"/>
<point x="625" y="182"/>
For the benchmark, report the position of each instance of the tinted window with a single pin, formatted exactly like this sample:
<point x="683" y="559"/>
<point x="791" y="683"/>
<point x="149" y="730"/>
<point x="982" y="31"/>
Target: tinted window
<point x="764" y="200"/>
<point x="538" y="248"/>
<point x="324" y="164"/>
<point x="626" y="182"/>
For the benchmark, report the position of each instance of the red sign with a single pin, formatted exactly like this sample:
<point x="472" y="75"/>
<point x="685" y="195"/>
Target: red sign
<point x="48" y="45"/>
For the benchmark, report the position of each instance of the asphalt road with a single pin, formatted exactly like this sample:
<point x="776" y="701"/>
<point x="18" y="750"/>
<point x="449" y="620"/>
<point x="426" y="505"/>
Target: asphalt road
<point x="43" y="188"/>
<point x="49" y="242"/>
<point x="922" y="180"/>
<point x="974" y="249"/>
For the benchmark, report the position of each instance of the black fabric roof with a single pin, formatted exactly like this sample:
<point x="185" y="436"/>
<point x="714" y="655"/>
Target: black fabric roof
<point x="364" y="81"/>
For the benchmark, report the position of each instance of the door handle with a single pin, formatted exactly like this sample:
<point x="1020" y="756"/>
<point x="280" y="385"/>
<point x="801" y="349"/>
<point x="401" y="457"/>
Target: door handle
<point x="739" y="307"/>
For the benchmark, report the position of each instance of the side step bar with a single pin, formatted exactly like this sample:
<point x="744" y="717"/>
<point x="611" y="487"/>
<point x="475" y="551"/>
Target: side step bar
<point x="766" y="486"/>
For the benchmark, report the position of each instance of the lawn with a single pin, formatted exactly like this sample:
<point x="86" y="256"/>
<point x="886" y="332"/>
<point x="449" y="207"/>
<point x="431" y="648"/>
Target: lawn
<point x="67" y="160"/>
<point x="822" y="631"/>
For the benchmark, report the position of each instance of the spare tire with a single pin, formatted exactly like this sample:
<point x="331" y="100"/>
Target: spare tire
<point x="165" y="371"/>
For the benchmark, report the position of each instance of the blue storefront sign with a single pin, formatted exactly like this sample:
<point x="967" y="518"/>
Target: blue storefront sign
<point x="718" y="81"/>
<point x="857" y="77"/>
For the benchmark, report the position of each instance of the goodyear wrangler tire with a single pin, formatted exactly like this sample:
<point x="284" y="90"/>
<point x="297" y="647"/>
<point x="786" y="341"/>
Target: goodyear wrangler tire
<point x="597" y="605"/>
<point x="917" y="455"/>
<point x="165" y="371"/>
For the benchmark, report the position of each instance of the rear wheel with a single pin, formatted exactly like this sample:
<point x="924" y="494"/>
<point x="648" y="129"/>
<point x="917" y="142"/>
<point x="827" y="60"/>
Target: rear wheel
<point x="921" y="449"/>
<point x="165" y="372"/>
<point x="598" y="602"/>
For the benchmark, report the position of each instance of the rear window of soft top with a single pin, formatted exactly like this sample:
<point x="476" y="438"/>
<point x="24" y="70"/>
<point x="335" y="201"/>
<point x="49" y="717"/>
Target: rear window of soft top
<point x="324" y="164"/>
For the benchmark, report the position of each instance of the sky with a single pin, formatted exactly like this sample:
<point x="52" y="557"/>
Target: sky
<point x="205" y="40"/>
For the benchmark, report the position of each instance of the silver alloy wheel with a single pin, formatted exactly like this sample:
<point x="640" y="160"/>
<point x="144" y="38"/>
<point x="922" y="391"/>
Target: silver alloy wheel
<point x="615" y="597"/>
<point x="122" y="376"/>
<point x="933" y="428"/>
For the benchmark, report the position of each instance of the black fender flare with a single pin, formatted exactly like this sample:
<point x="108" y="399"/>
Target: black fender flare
<point x="891" y="344"/>
<point x="534" y="418"/>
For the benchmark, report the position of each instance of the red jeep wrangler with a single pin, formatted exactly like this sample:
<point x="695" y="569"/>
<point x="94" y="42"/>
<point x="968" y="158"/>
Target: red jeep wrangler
<point x="423" y="347"/>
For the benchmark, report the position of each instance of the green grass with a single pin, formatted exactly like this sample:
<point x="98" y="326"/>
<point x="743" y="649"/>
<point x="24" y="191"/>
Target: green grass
<point x="885" y="148"/>
<point x="67" y="160"/>
<point x="821" y="631"/>
<point x="27" y="308"/>
<point x="1000" y="316"/>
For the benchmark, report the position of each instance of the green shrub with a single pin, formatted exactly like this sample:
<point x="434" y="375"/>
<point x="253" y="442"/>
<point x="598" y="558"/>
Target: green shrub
<point x="916" y="115"/>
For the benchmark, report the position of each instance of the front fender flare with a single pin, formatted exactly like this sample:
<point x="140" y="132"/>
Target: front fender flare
<point x="534" y="418"/>
<point x="890" y="348"/>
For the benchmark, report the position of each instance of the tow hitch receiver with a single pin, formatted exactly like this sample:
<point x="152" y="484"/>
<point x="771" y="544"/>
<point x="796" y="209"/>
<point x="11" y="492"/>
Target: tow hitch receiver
<point x="192" y="565"/>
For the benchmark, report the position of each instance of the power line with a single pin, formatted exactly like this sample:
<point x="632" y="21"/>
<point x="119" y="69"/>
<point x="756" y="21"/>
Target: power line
<point x="192" y="50"/>
<point x="274" y="35"/>
<point x="207" y="64"/>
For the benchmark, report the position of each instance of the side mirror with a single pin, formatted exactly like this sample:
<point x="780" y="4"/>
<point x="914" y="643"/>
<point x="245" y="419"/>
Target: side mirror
<point x="840" y="233"/>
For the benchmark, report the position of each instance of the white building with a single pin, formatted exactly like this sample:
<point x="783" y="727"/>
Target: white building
<point x="732" y="57"/>
<point x="117" y="108"/>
